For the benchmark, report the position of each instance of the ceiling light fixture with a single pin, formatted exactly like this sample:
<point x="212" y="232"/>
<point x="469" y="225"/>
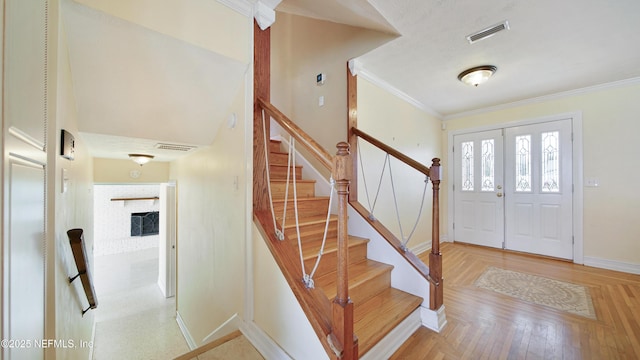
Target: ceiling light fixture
<point x="140" y="159"/>
<point x="477" y="75"/>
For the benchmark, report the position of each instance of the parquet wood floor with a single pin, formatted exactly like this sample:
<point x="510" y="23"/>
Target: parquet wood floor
<point x="483" y="324"/>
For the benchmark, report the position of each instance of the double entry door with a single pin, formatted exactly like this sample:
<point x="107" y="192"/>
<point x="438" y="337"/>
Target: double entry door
<point x="513" y="188"/>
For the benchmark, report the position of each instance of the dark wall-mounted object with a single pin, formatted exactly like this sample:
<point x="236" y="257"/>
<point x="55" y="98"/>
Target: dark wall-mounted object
<point x="67" y="145"/>
<point x="76" y="239"/>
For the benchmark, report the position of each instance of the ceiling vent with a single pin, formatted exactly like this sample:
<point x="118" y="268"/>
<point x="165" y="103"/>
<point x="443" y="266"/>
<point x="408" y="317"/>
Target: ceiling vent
<point x="175" y="147"/>
<point x="488" y="32"/>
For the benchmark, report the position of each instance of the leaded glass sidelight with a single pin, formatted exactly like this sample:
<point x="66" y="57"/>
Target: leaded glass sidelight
<point x="550" y="165"/>
<point x="487" y="165"/>
<point x="523" y="163"/>
<point x="467" y="165"/>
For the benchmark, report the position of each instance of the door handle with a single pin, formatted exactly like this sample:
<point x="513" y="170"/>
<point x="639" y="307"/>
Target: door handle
<point x="499" y="194"/>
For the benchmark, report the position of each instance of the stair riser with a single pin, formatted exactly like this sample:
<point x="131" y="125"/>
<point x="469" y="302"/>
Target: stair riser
<point x="329" y="261"/>
<point x="313" y="232"/>
<point x="278" y="158"/>
<point x="280" y="172"/>
<point x="366" y="290"/>
<point x="304" y="190"/>
<point x="317" y="207"/>
<point x="274" y="146"/>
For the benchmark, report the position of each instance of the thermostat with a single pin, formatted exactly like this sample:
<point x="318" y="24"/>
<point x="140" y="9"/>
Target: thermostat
<point x="320" y="79"/>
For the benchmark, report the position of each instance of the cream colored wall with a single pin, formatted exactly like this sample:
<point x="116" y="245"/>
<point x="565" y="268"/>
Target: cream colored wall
<point x="610" y="135"/>
<point x="302" y="48"/>
<point x="276" y="302"/>
<point x="413" y="132"/>
<point x="191" y="21"/>
<point x="73" y="209"/>
<point x="211" y="196"/>
<point x="118" y="171"/>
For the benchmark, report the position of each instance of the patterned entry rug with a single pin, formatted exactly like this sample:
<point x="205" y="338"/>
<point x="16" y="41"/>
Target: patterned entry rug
<point x="559" y="295"/>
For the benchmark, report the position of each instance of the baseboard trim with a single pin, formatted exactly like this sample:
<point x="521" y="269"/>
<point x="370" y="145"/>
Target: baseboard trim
<point x="612" y="265"/>
<point x="185" y="332"/>
<point x="434" y="320"/>
<point x="93" y="339"/>
<point x="394" y="339"/>
<point x="268" y="348"/>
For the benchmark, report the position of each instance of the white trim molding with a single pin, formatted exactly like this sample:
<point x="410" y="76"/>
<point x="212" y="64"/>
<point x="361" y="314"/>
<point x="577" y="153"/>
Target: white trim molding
<point x="244" y="7"/>
<point x="539" y="99"/>
<point x="578" y="154"/>
<point x="268" y="348"/>
<point x="615" y="265"/>
<point x="185" y="332"/>
<point x="389" y="344"/>
<point x="356" y="68"/>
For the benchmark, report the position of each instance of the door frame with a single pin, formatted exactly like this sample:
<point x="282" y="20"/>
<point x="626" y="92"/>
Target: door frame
<point x="577" y="172"/>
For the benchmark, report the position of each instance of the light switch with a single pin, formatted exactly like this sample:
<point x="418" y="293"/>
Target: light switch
<point x="321" y="101"/>
<point x="592" y="182"/>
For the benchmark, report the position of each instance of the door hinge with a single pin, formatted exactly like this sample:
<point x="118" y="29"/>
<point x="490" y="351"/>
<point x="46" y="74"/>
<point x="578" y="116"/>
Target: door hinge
<point x="454" y="187"/>
<point x="454" y="226"/>
<point x="571" y="136"/>
<point x="503" y="244"/>
<point x="573" y="240"/>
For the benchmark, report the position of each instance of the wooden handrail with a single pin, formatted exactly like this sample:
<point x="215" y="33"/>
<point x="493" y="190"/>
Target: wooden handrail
<point x="391" y="151"/>
<point x="316" y="150"/>
<point x="76" y="239"/>
<point x="434" y="272"/>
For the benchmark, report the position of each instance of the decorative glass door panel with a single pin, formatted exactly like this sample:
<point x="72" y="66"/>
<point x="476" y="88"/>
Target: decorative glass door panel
<point x="479" y="206"/>
<point x="538" y="191"/>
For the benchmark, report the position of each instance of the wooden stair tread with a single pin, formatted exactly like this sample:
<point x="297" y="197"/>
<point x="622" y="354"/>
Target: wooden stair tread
<point x="315" y="198"/>
<point x="298" y="181"/>
<point x="359" y="273"/>
<point x="376" y="317"/>
<point x="311" y="248"/>
<point x="310" y="220"/>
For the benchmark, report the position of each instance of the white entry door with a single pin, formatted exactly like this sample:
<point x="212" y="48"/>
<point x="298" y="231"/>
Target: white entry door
<point x="479" y="205"/>
<point x="539" y="189"/>
<point x="518" y="200"/>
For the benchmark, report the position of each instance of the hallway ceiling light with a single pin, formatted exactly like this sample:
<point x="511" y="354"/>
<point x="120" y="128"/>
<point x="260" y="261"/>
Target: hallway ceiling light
<point x="140" y="159"/>
<point x="477" y="75"/>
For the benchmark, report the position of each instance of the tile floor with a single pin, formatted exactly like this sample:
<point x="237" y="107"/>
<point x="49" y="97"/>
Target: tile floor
<point x="135" y="321"/>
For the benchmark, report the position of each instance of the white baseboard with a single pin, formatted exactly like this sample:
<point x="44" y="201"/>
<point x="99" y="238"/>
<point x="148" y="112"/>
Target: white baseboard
<point x="420" y="248"/>
<point x="434" y="320"/>
<point x="262" y="342"/>
<point x="394" y="339"/>
<point x="612" y="265"/>
<point x="185" y="332"/>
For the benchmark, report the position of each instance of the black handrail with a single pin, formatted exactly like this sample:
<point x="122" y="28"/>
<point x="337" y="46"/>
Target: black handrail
<point x="76" y="239"/>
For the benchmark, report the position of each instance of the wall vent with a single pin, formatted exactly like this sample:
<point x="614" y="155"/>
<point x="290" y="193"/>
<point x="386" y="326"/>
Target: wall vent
<point x="488" y="32"/>
<point x="175" y="147"/>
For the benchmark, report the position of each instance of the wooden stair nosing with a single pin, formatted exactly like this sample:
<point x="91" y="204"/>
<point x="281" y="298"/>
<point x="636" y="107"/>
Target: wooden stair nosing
<point x="376" y="317"/>
<point x="360" y="273"/>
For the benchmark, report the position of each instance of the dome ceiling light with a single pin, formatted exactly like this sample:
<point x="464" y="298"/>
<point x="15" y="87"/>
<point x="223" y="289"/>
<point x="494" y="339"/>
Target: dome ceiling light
<point x="140" y="159"/>
<point x="477" y="75"/>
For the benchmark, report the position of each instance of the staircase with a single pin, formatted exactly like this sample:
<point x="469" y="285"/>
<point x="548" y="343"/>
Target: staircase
<point x="378" y="308"/>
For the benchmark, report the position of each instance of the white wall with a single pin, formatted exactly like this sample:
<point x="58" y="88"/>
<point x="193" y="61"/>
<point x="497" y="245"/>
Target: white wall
<point x="211" y="193"/>
<point x="112" y="219"/>
<point x="302" y="48"/>
<point x="610" y="136"/>
<point x="72" y="209"/>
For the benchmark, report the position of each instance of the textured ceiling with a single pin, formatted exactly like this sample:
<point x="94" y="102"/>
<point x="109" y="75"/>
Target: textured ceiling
<point x="552" y="47"/>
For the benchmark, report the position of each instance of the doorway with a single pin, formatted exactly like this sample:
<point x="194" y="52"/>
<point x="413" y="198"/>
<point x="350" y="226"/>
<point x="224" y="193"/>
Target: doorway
<point x="513" y="188"/>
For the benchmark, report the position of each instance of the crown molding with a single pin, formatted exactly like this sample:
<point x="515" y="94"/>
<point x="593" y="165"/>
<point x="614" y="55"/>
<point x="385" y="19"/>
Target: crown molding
<point x="356" y="68"/>
<point x="545" y="98"/>
<point x="262" y="10"/>
<point x="244" y="7"/>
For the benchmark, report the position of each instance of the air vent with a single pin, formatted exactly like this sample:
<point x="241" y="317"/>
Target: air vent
<point x="488" y="32"/>
<point x="175" y="147"/>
